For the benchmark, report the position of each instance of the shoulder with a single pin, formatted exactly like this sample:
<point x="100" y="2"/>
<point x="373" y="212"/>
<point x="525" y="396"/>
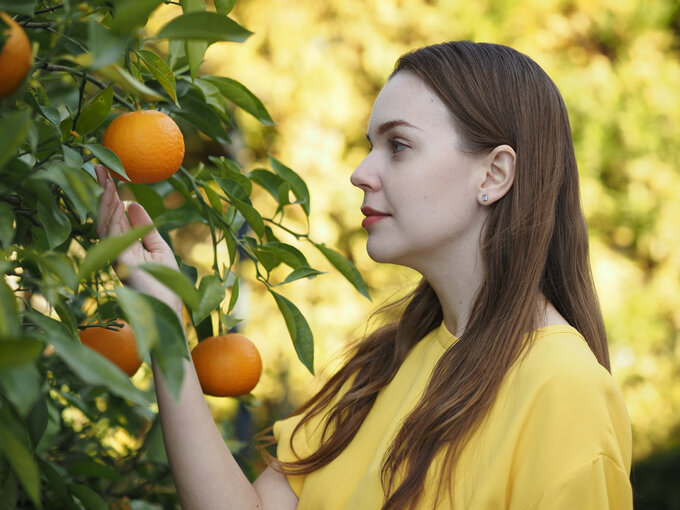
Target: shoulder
<point x="568" y="423"/>
<point x="568" y="399"/>
<point x="559" y="359"/>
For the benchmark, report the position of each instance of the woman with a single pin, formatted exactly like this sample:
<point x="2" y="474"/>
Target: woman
<point x="492" y="389"/>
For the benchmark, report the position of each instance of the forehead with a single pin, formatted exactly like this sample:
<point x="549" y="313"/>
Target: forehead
<point x="406" y="97"/>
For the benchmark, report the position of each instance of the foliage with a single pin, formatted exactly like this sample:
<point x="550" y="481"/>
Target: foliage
<point x="75" y="432"/>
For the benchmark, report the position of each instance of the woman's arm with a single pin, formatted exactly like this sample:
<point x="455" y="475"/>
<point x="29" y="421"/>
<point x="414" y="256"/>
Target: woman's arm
<point x="206" y="474"/>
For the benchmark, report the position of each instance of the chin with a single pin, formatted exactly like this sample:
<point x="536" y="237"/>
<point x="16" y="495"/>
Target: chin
<point x="383" y="254"/>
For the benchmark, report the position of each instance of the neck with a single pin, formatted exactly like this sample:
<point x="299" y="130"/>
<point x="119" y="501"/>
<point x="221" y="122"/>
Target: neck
<point x="456" y="286"/>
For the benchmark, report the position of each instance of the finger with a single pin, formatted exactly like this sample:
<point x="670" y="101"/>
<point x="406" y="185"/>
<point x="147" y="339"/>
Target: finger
<point x="107" y="203"/>
<point x="118" y="222"/>
<point x="102" y="174"/>
<point x="138" y="217"/>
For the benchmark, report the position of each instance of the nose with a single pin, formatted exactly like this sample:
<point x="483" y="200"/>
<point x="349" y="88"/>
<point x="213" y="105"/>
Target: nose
<point x="365" y="176"/>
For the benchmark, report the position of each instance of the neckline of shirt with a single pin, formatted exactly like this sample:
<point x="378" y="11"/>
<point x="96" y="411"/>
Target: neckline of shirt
<point x="446" y="339"/>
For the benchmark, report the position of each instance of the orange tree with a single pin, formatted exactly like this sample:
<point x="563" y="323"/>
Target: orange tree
<point x="75" y="431"/>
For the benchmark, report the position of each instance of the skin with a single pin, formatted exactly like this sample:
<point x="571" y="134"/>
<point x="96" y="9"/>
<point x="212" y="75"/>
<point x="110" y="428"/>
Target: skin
<point x="426" y="212"/>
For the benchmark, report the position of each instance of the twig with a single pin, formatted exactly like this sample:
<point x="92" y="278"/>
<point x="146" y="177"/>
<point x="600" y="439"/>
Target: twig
<point x="57" y="67"/>
<point x="49" y="9"/>
<point x="36" y="24"/>
<point x="283" y="227"/>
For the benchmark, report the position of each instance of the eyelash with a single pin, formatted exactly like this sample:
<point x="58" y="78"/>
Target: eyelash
<point x="397" y="146"/>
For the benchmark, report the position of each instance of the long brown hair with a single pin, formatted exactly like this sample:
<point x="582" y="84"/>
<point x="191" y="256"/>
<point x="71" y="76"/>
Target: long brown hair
<point x="534" y="244"/>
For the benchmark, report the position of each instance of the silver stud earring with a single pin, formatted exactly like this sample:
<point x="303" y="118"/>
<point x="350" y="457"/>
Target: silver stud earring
<point x="484" y="198"/>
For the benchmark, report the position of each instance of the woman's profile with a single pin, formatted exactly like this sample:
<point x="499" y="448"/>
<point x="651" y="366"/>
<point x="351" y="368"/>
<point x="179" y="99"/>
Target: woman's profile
<point x="492" y="389"/>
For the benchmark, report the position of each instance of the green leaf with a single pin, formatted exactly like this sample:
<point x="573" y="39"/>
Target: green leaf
<point x="37" y="420"/>
<point x="160" y="71"/>
<point x="299" y="330"/>
<point x="148" y="198"/>
<point x="213" y="198"/>
<point x="13" y="130"/>
<point x="287" y="253"/>
<point x="234" y="295"/>
<point x="104" y="252"/>
<point x="54" y="115"/>
<point x="268" y="180"/>
<point x="56" y="224"/>
<point x="107" y="157"/>
<point x="158" y="330"/>
<point x="95" y="111"/>
<point x="131" y="13"/>
<point x="60" y="266"/>
<point x="234" y="188"/>
<point x="89" y="498"/>
<point x="19" y="455"/>
<point x="239" y="94"/>
<point x="72" y="158"/>
<point x="87" y="364"/>
<point x="175" y="281"/>
<point x="176" y="218"/>
<point x="106" y="46"/>
<point x="283" y="195"/>
<point x="212" y="293"/>
<point x="301" y="272"/>
<point x="18" y="6"/>
<point x="9" y="312"/>
<point x="231" y="170"/>
<point x="154" y="448"/>
<point x="297" y="185"/>
<point x="206" y="26"/>
<point x="22" y="386"/>
<point x="224" y="6"/>
<point x="268" y="260"/>
<point x="78" y="185"/>
<point x="121" y="77"/>
<point x="203" y="116"/>
<point x="58" y="495"/>
<point x="346" y="268"/>
<point x="18" y="352"/>
<point x="93" y="468"/>
<point x="251" y="214"/>
<point x="195" y="51"/>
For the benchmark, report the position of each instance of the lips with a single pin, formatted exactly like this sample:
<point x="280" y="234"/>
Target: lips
<point x="372" y="216"/>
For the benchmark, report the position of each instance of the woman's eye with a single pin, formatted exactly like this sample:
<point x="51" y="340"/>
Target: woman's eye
<point x="397" y="146"/>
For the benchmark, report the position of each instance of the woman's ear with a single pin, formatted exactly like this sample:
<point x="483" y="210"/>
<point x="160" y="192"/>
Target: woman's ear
<point x="499" y="174"/>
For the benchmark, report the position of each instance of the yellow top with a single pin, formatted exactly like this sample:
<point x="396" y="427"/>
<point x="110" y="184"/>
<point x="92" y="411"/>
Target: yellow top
<point x="558" y="437"/>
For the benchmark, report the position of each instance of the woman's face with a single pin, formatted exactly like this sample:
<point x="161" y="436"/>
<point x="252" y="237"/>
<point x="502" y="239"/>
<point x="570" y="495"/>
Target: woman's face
<point x="420" y="191"/>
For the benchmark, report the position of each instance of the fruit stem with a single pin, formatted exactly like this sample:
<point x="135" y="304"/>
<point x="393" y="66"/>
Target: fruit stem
<point x="113" y="326"/>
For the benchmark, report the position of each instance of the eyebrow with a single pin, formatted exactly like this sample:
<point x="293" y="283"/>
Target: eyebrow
<point x="386" y="126"/>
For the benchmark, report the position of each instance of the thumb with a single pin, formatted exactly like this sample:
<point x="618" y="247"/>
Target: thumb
<point x="137" y="215"/>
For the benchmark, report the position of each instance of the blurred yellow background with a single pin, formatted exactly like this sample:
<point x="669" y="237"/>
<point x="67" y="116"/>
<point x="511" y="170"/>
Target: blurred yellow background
<point x="317" y="65"/>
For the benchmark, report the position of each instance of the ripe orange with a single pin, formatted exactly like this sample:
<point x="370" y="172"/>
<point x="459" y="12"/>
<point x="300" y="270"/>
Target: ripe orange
<point x="149" y="144"/>
<point x="119" y="346"/>
<point x="227" y="365"/>
<point x="15" y="57"/>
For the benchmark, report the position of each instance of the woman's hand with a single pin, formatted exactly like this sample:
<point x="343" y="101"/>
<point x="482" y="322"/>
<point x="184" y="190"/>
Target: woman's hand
<point x="113" y="221"/>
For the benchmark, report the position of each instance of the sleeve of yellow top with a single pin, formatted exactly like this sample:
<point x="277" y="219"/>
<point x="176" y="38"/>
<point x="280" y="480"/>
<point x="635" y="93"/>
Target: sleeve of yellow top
<point x="598" y="484"/>
<point x="283" y="430"/>
<point x="575" y="446"/>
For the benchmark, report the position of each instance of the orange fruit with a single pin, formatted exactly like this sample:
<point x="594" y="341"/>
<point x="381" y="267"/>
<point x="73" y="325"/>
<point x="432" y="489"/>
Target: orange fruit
<point x="118" y="346"/>
<point x="15" y="57"/>
<point x="149" y="144"/>
<point x="227" y="365"/>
